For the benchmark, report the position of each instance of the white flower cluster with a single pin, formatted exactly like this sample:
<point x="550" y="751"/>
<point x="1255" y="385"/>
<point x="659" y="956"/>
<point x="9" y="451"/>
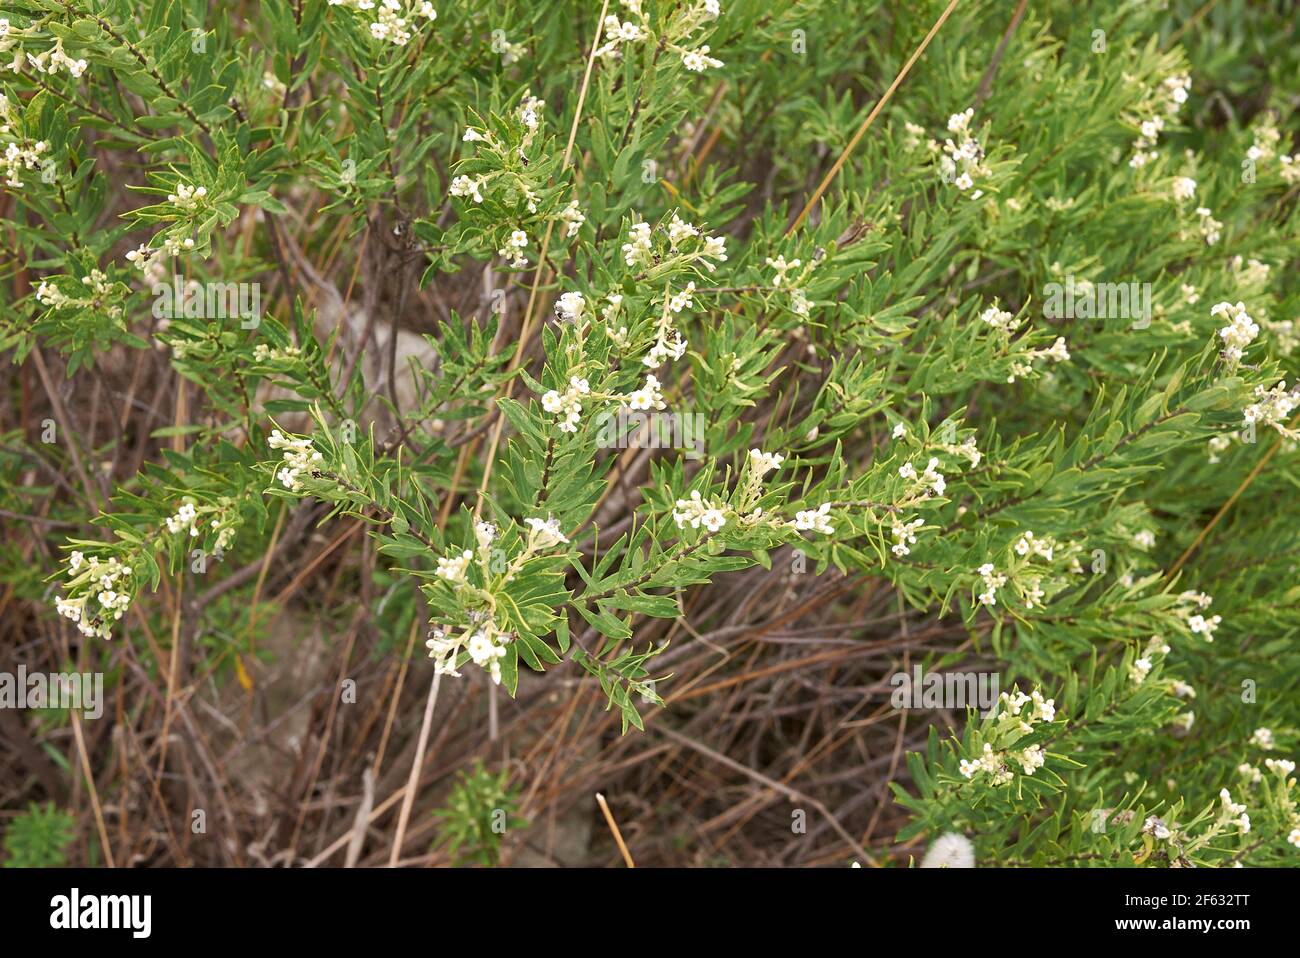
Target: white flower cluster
<point x="1263" y="738"/>
<point x="924" y="483"/>
<point x="963" y="161"/>
<point x="1290" y="168"/>
<point x="543" y="534"/>
<point x="567" y="405"/>
<point x="1272" y="407"/>
<point x="1251" y="272"/>
<point x="185" y="519"/>
<point x="1144" y="663"/>
<point x="390" y="20"/>
<point x="485" y="641"/>
<point x="572" y="217"/>
<point x="17" y="155"/>
<point x="263" y="353"/>
<point x="813" y="520"/>
<point x="1174" y="92"/>
<point x="452" y="568"/>
<point x="1184" y="188"/>
<point x="100" y="594"/>
<point x="1280" y="766"/>
<point x="618" y="32"/>
<point x="993" y="580"/>
<point x="697" y="61"/>
<point x="904" y="534"/>
<point x="1193" y="605"/>
<point x="1012" y="722"/>
<point x="1057" y="353"/>
<point x="625" y="31"/>
<point x="1233" y="813"/>
<point x="485" y="646"/>
<point x="514" y="249"/>
<point x="668" y="344"/>
<point x="761" y="463"/>
<point x="47" y="294"/>
<point x="1211" y="229"/>
<point x="1030" y="545"/>
<point x="1000" y="319"/>
<point x="967" y="449"/>
<point x="510" y="52"/>
<point x="570" y="307"/>
<point x="187" y="198"/>
<point x="50" y="62"/>
<point x="697" y="511"/>
<point x="649" y="396"/>
<point x="467" y="186"/>
<point x="639" y="250"/>
<point x="1267" y="137"/>
<point x="299" y="458"/>
<point x="529" y="115"/>
<point x="799" y="304"/>
<point x="1238" y="334"/>
<point x="950" y="851"/>
<point x="148" y="260"/>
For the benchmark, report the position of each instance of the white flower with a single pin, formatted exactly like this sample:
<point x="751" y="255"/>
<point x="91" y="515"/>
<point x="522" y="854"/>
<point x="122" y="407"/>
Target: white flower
<point x="485" y="533"/>
<point x="814" y="520"/>
<point x="648" y="396"/>
<point x="1145" y="539"/>
<point x="1210" y="227"/>
<point x="679" y="230"/>
<point x="761" y="463"/>
<point x="1263" y="738"/>
<point x="950" y="851"/>
<point x="545" y="532"/>
<point x="467" y="186"/>
<point x="299" y="458"/>
<point x="1031" y="759"/>
<point x="187" y="197"/>
<point x="999" y="319"/>
<point x="639" y="251"/>
<point x="1157" y="828"/>
<point x="1294" y="837"/>
<point x="1139" y="670"/>
<point x="569" y="307"/>
<point x="1280" y="766"/>
<point x="904" y="535"/>
<point x="713" y="519"/>
<point x="715" y="247"/>
<point x="185" y="520"/>
<point x="453" y="568"/>
<point x="683" y="300"/>
<point x="1184" y="187"/>
<point x="1239" y="333"/>
<point x="1203" y="626"/>
<point x="697" y="61"/>
<point x="573" y="218"/>
<point x="696" y="511"/>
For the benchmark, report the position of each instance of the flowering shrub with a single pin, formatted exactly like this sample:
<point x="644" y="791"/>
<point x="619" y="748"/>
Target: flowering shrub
<point x="602" y="321"/>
